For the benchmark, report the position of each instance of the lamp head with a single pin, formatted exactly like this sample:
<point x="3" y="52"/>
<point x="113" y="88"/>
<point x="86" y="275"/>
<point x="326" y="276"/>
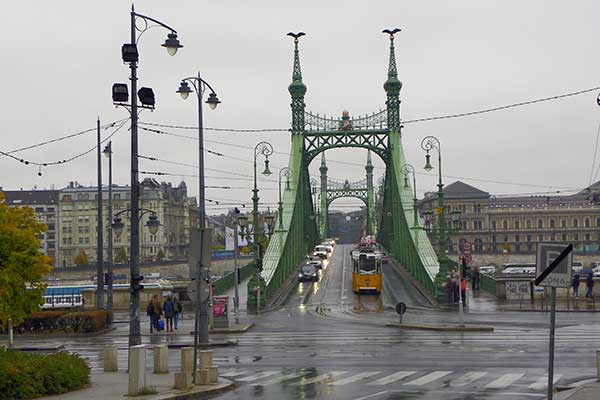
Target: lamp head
<point x="153" y="223"/>
<point x="405" y="182"/>
<point x="428" y="166"/>
<point x="184" y="90"/>
<point x="117" y="226"/>
<point x="267" y="171"/>
<point x="172" y="44"/>
<point x="146" y="96"/>
<point x="213" y="101"/>
<point x="120" y="93"/>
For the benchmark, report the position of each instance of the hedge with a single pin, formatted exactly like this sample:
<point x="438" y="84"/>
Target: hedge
<point x="26" y="376"/>
<point x="64" y="321"/>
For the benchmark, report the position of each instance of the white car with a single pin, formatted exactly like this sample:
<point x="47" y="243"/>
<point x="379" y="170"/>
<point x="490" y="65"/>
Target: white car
<point x="596" y="271"/>
<point x="321" y="252"/>
<point x="489" y="270"/>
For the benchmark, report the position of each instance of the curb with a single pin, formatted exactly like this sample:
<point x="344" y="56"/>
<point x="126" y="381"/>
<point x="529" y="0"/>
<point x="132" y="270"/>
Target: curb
<point x="244" y="328"/>
<point x="225" y="343"/>
<point x="34" y="348"/>
<point x="443" y="328"/>
<point x="198" y="392"/>
<point x="58" y="334"/>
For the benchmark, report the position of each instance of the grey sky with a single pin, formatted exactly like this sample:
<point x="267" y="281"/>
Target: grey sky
<point x="61" y="58"/>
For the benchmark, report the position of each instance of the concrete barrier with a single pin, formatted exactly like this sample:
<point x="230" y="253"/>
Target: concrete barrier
<point x="183" y="380"/>
<point x="202" y="377"/>
<point x="187" y="359"/>
<point x="598" y="365"/>
<point x="110" y="359"/>
<point x="206" y="358"/>
<point x="137" y="370"/>
<point x="161" y="359"/>
<point x="213" y="375"/>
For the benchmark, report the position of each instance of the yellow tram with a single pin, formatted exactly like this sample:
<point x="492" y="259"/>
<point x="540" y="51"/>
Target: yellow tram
<point x="366" y="270"/>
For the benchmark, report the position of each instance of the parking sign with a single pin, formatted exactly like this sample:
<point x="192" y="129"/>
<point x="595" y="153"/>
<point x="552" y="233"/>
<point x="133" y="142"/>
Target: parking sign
<point x="561" y="275"/>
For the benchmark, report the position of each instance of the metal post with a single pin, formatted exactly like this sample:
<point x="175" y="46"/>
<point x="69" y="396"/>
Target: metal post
<point x="100" y="222"/>
<point x="461" y="316"/>
<point x="551" y="347"/>
<point x="258" y="300"/>
<point x="236" y="300"/>
<point x="134" y="219"/>
<point x="109" y="297"/>
<point x="441" y="216"/>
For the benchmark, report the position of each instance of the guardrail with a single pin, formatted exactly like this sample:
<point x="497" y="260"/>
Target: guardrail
<point x="225" y="283"/>
<point x="488" y="283"/>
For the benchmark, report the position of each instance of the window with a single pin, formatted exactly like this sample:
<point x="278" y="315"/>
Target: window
<point x="563" y="223"/>
<point x="64" y="230"/>
<point x="80" y="240"/>
<point x="493" y="238"/>
<point x="586" y="223"/>
<point x="50" y="209"/>
<point x="39" y="209"/>
<point x="506" y="238"/>
<point x="517" y="238"/>
<point x="478" y="245"/>
<point x="87" y="240"/>
<point x="564" y="237"/>
<point x="553" y="237"/>
<point x="587" y="236"/>
<point x="529" y="238"/>
<point x="576" y="237"/>
<point x="552" y="223"/>
<point x="540" y="224"/>
<point x="67" y="197"/>
<point x="540" y="238"/>
<point x="528" y="224"/>
<point x="504" y="224"/>
<point x="51" y="227"/>
<point x="517" y="225"/>
<point x="575" y="223"/>
<point x="116" y="196"/>
<point x="494" y="224"/>
<point x="597" y="221"/>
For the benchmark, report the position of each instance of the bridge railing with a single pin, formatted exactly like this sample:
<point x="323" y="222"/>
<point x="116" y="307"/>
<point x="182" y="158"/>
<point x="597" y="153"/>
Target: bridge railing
<point x="226" y="282"/>
<point x="488" y="283"/>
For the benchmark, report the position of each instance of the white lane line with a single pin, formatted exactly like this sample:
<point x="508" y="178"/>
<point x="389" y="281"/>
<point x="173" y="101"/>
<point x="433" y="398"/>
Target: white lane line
<point x="372" y="395"/>
<point x="281" y="378"/>
<point x="542" y="382"/>
<point x="343" y="276"/>
<point x="391" y="378"/>
<point x="467" y="378"/>
<point x="258" y="376"/>
<point x="232" y="373"/>
<point x="355" y="378"/>
<point x="319" y="378"/>
<point x="504" y="381"/>
<point x="428" y="378"/>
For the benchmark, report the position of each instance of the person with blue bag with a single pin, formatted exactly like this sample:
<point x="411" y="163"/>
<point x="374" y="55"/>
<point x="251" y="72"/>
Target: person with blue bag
<point x="169" y="309"/>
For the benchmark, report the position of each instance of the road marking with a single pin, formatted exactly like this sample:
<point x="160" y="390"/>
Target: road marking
<point x="258" y="376"/>
<point x="467" y="378"/>
<point x="510" y="395"/>
<point x="355" y="378"/>
<point x="504" y="381"/>
<point x="232" y="373"/>
<point x="542" y="382"/>
<point x="428" y="378"/>
<point x="372" y="395"/>
<point x="391" y="378"/>
<point x="343" y="276"/>
<point x="319" y="378"/>
<point x="280" y="379"/>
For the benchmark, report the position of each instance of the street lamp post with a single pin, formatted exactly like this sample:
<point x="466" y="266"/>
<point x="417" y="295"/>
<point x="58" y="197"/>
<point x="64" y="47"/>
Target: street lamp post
<point x="287" y="172"/>
<point x="201" y="321"/>
<point x="130" y="55"/>
<point x="405" y="170"/>
<point x="236" y="249"/>
<point x="265" y="149"/>
<point x="109" y="268"/>
<point x="429" y="143"/>
<point x="99" y="238"/>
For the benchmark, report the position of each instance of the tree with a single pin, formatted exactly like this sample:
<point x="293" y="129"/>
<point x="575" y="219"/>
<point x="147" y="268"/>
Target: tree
<point x="22" y="266"/>
<point x="121" y="257"/>
<point x="81" y="258"/>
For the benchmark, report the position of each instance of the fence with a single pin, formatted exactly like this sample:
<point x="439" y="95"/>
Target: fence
<point x="488" y="283"/>
<point x="220" y="286"/>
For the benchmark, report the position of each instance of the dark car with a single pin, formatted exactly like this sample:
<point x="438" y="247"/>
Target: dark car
<point x="309" y="273"/>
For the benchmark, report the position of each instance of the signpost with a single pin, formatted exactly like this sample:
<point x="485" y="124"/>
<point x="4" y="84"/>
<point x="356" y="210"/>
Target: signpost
<point x="401" y="309"/>
<point x="553" y="269"/>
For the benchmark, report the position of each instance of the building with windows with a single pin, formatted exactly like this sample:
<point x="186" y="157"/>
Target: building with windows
<point x="176" y="212"/>
<point x="514" y="224"/>
<point x="45" y="205"/>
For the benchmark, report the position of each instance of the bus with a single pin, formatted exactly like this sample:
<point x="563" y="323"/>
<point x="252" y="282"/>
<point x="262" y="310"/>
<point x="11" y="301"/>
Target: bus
<point x="367" y="276"/>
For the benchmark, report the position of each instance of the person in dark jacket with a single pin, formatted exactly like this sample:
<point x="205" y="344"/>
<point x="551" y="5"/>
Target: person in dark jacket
<point x="590" y="286"/>
<point x="575" y="285"/>
<point x="178" y="311"/>
<point x="169" y="310"/>
<point x="475" y="279"/>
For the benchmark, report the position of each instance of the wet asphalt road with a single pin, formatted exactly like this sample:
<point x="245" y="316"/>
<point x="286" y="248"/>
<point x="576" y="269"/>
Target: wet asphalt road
<point x="346" y="352"/>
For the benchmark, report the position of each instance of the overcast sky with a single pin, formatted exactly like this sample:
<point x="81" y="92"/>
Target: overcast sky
<point x="60" y="59"/>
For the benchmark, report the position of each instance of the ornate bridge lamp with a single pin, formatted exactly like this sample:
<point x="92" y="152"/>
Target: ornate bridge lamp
<point x="287" y="173"/>
<point x="256" y="285"/>
<point x="406" y="170"/>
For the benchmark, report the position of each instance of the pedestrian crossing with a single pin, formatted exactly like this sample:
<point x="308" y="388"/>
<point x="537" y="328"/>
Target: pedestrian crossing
<point x="482" y="380"/>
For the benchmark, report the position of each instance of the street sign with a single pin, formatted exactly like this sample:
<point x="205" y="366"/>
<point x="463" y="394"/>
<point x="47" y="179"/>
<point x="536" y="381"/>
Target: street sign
<point x="401" y="309"/>
<point x="467" y="246"/>
<point x="560" y="274"/>
<point x="468" y="258"/>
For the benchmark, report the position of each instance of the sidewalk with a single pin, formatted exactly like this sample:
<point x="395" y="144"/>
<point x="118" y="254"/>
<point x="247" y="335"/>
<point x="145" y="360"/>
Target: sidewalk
<point x="590" y="391"/>
<point x="113" y="385"/>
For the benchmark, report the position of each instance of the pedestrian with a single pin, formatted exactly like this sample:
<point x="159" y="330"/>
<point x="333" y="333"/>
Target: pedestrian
<point x="448" y="287"/>
<point x="455" y="290"/>
<point x="575" y="285"/>
<point x="463" y="289"/>
<point x="475" y="279"/>
<point x="154" y="311"/>
<point x="178" y="311"/>
<point x="590" y="286"/>
<point x="169" y="309"/>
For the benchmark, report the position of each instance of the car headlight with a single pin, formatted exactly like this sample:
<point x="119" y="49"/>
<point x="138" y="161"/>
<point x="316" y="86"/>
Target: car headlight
<point x="299" y="275"/>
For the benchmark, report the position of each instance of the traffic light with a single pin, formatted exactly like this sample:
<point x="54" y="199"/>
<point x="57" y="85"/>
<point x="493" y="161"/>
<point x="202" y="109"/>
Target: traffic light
<point x="136" y="283"/>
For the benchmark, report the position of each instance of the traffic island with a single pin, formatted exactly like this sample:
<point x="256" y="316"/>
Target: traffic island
<point x="443" y="327"/>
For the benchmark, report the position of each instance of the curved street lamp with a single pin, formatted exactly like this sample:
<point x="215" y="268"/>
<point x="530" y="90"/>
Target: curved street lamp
<point x="405" y="170"/>
<point x="287" y="173"/>
<point x="265" y="149"/>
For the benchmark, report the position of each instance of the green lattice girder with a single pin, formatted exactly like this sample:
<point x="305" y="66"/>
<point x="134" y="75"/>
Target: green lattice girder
<point x="375" y="140"/>
<point x="289" y="246"/>
<point x="408" y="245"/>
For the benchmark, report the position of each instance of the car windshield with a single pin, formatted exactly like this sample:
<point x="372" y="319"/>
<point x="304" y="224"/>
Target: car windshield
<point x="321" y="248"/>
<point x="308" y="269"/>
<point x="367" y="265"/>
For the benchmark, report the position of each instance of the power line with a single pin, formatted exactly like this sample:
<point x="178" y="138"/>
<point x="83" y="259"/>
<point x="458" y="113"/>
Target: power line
<point x="218" y="129"/>
<point x="592" y="174"/>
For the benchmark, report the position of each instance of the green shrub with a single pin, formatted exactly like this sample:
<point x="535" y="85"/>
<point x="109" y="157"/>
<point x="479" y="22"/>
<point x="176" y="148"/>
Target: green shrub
<point x="26" y="376"/>
<point x="64" y="321"/>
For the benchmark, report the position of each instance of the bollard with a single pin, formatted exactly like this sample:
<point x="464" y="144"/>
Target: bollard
<point x="598" y="365"/>
<point x="183" y="380"/>
<point x="111" y="361"/>
<point x="161" y="359"/>
<point x="137" y="370"/>
<point x="213" y="375"/>
<point x="187" y="359"/>
<point x="202" y="377"/>
<point x="206" y="358"/>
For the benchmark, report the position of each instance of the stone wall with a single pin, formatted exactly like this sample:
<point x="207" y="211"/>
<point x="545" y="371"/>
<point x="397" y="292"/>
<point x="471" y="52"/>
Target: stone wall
<point x="499" y="259"/>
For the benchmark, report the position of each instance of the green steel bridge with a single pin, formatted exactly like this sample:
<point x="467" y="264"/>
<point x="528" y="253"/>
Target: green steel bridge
<point x="380" y="134"/>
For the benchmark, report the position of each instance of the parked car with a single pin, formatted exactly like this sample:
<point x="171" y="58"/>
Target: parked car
<point x="328" y="246"/>
<point x="317" y="262"/>
<point x="519" y="270"/>
<point x="308" y="272"/>
<point x="321" y="252"/>
<point x="488" y="270"/>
